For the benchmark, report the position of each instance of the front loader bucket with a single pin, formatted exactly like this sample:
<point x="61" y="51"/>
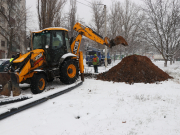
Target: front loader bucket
<point x="9" y="82"/>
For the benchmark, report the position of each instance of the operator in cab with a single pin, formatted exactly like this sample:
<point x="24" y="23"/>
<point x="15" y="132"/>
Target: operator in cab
<point x="95" y="63"/>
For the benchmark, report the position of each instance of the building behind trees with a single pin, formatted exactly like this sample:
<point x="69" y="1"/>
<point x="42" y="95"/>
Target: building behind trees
<point x="12" y="27"/>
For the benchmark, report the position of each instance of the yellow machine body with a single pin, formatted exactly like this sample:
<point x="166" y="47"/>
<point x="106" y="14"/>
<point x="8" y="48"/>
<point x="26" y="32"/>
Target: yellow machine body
<point x="33" y="63"/>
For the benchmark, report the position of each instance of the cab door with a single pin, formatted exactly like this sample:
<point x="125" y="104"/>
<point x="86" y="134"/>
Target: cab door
<point x="57" y="48"/>
<point x="68" y="45"/>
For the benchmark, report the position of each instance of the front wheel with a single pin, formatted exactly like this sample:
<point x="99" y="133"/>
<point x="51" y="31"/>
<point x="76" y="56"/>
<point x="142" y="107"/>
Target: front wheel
<point x="69" y="71"/>
<point x="38" y="83"/>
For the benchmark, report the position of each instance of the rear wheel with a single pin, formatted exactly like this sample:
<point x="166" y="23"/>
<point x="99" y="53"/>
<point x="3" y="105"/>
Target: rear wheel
<point x="69" y="72"/>
<point x="38" y="83"/>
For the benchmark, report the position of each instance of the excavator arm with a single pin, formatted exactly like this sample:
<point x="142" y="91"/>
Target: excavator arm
<point x="89" y="33"/>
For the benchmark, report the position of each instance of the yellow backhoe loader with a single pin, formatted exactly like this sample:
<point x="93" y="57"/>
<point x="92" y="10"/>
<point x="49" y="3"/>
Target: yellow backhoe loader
<point x="51" y="55"/>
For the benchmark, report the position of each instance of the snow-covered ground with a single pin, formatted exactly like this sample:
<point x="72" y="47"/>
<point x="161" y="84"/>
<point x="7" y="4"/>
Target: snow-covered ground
<point x="104" y="108"/>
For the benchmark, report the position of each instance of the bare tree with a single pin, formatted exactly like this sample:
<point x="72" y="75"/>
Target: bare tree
<point x="98" y="18"/>
<point x="115" y="23"/>
<point x="72" y="17"/>
<point x="14" y="24"/>
<point x="60" y="20"/>
<point x="124" y="19"/>
<point x="130" y="19"/>
<point x="49" y="12"/>
<point x="161" y="26"/>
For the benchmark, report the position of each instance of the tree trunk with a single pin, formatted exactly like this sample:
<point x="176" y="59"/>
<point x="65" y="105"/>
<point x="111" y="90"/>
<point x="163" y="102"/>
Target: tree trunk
<point x="10" y="44"/>
<point x="165" y="63"/>
<point x="171" y="61"/>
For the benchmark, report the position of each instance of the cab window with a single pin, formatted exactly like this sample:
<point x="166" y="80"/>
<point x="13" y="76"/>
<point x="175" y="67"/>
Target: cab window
<point x="57" y="40"/>
<point x="67" y="42"/>
<point x="92" y="53"/>
<point x="41" y="39"/>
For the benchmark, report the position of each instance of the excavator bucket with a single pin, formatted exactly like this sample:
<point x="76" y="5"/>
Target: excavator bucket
<point x="117" y="41"/>
<point x="10" y="84"/>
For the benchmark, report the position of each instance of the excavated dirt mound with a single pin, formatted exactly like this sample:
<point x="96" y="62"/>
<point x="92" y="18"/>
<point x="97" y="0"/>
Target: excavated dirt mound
<point x="134" y="69"/>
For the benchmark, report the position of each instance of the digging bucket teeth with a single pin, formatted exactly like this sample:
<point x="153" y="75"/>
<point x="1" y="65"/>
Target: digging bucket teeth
<point x="9" y="82"/>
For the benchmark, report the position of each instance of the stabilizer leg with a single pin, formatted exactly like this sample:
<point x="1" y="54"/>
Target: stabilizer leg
<point x="81" y="65"/>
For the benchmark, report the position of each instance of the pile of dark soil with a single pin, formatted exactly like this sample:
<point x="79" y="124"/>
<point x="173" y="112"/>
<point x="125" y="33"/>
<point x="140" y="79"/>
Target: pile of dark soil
<point x="134" y="69"/>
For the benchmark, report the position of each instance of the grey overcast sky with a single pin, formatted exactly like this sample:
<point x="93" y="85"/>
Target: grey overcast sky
<point x="83" y="11"/>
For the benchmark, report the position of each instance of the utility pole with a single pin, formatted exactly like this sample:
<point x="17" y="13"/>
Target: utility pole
<point x="105" y="34"/>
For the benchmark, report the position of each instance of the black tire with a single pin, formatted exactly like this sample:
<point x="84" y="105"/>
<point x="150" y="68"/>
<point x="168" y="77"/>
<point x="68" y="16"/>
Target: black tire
<point x="38" y="83"/>
<point x="100" y="63"/>
<point x="109" y="61"/>
<point x="50" y="80"/>
<point x="69" y="71"/>
<point x="89" y="64"/>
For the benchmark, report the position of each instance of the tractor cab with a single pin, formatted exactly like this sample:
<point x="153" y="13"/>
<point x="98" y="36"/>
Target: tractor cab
<point x="54" y="41"/>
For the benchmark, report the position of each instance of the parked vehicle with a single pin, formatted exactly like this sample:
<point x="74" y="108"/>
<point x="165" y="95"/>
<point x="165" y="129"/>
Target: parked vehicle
<point x="100" y="54"/>
<point x="3" y="64"/>
<point x="2" y="60"/>
<point x="90" y="55"/>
